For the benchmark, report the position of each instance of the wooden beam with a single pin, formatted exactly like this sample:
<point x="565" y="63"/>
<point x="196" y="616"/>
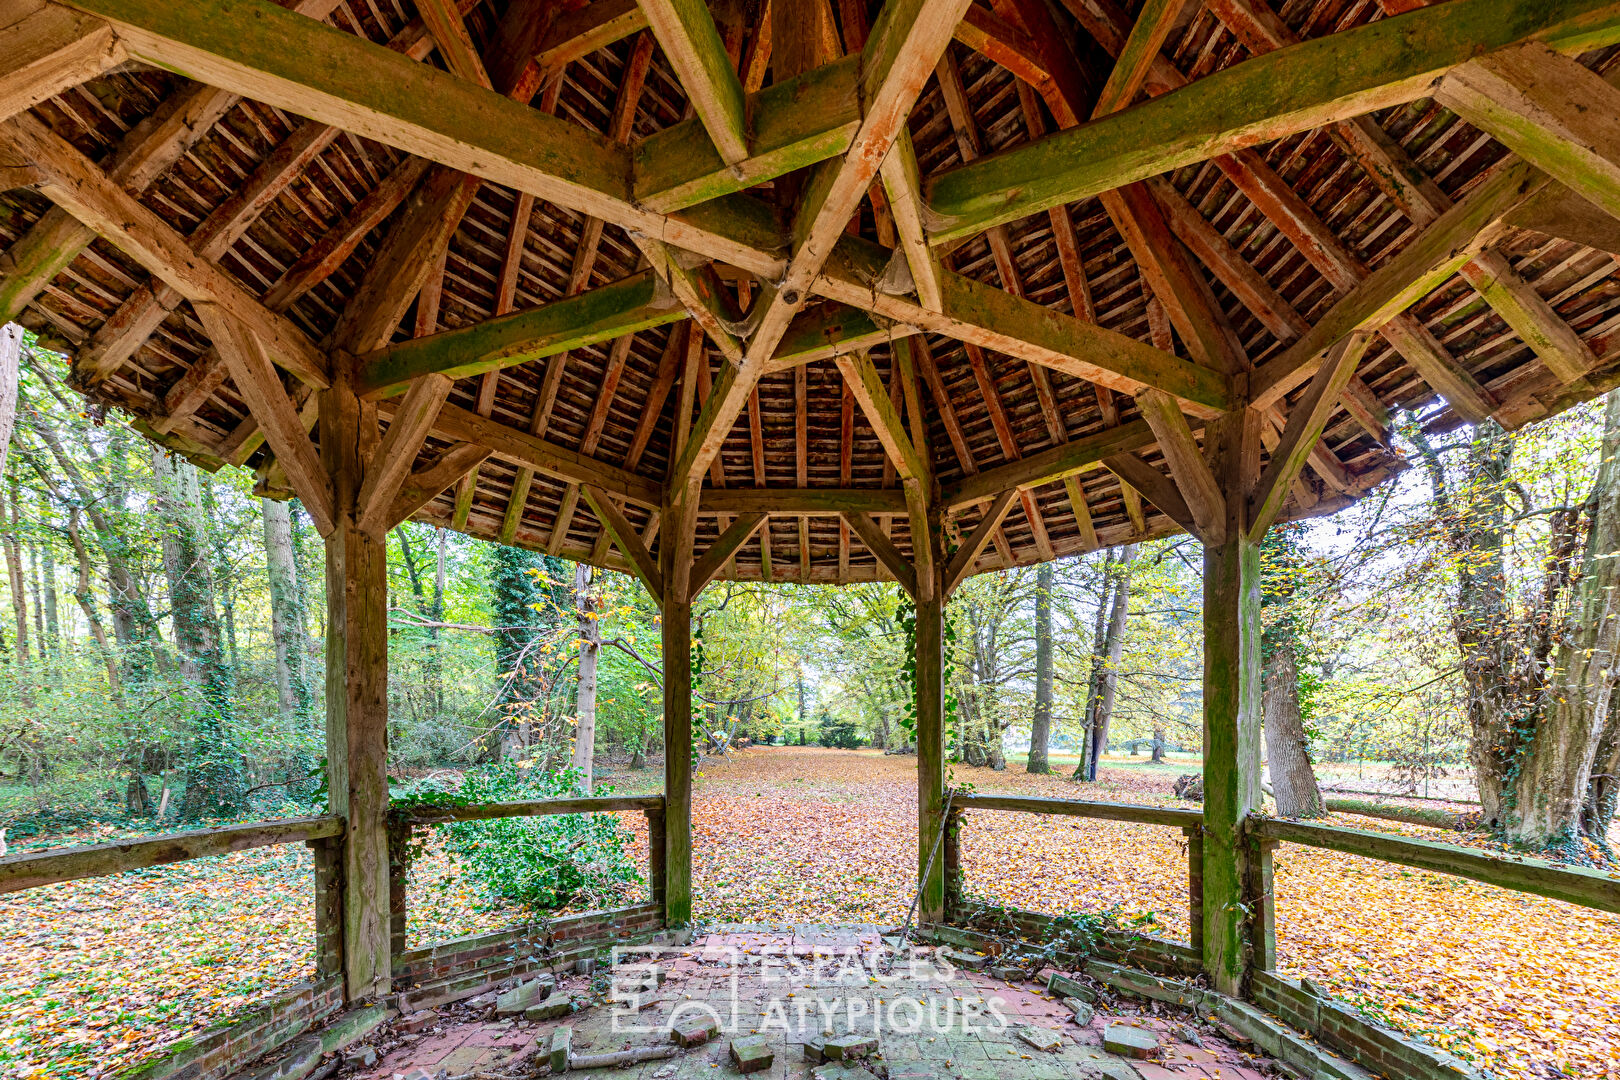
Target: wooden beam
<point x="521" y="448"/>
<point x="1156" y="487"/>
<point x="1380" y="64"/>
<point x="906" y="42"/>
<point x="1548" y="109"/>
<point x="888" y="556"/>
<point x="694" y="49"/>
<point x="1429" y="259"/>
<point x="143" y="155"/>
<point x="256" y="380"/>
<point x="603" y="314"/>
<point x="427" y="483"/>
<point x="1153" y="24"/>
<point x="863" y="380"/>
<point x="1049" y="465"/>
<point x="829" y="502"/>
<point x="1186" y="462"/>
<point x="625" y="539"/>
<point x="1410" y="188"/>
<point x="902" y="183"/>
<point x="443" y="20"/>
<point x="389" y="467"/>
<point x="724" y="549"/>
<point x="46" y="49"/>
<point x="961" y="564"/>
<point x="78" y="186"/>
<point x="1304" y="428"/>
<point x="575" y="34"/>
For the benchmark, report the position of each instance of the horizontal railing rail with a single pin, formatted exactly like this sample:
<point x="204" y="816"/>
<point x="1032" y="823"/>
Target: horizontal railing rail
<point x="1087" y="808"/>
<point x="35" y="868"/>
<point x="1576" y="885"/>
<point x="434" y="815"/>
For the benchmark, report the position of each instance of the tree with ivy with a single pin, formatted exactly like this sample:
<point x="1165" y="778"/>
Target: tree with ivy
<point x="1287" y="688"/>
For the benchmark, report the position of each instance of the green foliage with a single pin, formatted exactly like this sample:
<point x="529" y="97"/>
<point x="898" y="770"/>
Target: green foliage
<point x="540" y="863"/>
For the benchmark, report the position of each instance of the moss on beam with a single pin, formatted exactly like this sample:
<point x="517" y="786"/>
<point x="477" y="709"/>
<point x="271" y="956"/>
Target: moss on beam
<point x="1377" y="65"/>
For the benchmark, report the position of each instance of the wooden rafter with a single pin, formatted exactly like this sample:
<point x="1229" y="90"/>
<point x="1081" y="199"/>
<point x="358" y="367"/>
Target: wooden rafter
<point x="626" y="539"/>
<point x="46" y="49"/>
<point x="74" y="182"/>
<point x="888" y="556"/>
<point x="1380" y="64"/>
<point x="961" y="564"/>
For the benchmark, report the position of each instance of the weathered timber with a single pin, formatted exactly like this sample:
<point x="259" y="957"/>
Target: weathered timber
<point x="829" y="501"/>
<point x="1086" y="808"/>
<point x="1377" y="65"/>
<point x="45" y="49"/>
<point x="430" y="815"/>
<point x="1572" y="884"/>
<point x="35" y="868"/>
<point x="1051" y="465"/>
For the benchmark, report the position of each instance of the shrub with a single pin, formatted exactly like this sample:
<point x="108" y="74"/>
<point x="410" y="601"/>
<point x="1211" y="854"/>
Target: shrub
<point x="541" y="863"/>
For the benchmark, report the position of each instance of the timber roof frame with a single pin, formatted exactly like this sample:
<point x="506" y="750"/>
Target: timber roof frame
<point x="959" y="261"/>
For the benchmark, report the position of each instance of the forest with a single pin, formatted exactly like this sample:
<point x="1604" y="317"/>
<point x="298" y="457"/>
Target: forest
<point x="165" y="658"/>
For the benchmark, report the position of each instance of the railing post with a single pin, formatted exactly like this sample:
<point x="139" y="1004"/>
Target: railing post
<point x="655" y="855"/>
<point x="951" y="856"/>
<point x="1195" y="886"/>
<point x="1260" y="897"/>
<point x="399" y="873"/>
<point x="328" y="854"/>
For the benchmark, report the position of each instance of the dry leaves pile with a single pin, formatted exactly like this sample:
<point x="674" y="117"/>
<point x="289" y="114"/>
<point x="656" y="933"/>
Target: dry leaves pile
<point x="96" y="975"/>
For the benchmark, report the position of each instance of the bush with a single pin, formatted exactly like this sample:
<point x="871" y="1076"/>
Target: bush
<point x="541" y="863"/>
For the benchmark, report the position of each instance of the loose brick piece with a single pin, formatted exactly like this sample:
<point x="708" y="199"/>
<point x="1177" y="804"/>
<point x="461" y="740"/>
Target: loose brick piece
<point x="847" y="1047"/>
<point x="555" y="1009"/>
<point x="695" y="1030"/>
<point x="562" y="1042"/>
<point x="1040" y="1038"/>
<point x="958" y="958"/>
<point x="522" y="997"/>
<point x="815" y="1049"/>
<point x="751" y="1054"/>
<point x="1129" y="1041"/>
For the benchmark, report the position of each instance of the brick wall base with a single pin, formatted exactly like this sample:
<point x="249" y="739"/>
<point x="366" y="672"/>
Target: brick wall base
<point x="460" y="967"/>
<point x="1335" y="1026"/>
<point x="223" y="1049"/>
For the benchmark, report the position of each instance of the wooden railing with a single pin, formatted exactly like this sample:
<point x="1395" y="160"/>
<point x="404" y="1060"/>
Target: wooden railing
<point x="35" y="868"/>
<point x="1575" y="885"/>
<point x="1190" y="822"/>
<point x="404" y="821"/>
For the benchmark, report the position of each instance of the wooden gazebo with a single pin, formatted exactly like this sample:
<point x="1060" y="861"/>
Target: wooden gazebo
<point x="797" y="291"/>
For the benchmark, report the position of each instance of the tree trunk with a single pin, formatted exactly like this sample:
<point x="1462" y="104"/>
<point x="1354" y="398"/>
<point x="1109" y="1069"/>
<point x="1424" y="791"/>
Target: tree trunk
<point x="1040" y="728"/>
<point x="294" y="697"/>
<point x="10" y="357"/>
<point x="87" y="604"/>
<point x="1114" y="648"/>
<point x="214" y="773"/>
<point x="590" y="648"/>
<point x="1293" y="782"/>
<point x="53" y="616"/>
<point x="19" y="599"/>
<point x="1099" y="632"/>
<point x="1547" y="783"/>
<point x="512" y="585"/>
<point x="1158" y="742"/>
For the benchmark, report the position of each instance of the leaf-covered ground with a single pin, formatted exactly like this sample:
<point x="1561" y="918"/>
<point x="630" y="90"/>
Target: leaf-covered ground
<point x="96" y="975"/>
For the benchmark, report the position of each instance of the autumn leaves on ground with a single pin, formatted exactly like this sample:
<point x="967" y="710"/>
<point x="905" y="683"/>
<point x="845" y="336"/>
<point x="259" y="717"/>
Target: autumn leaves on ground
<point x="97" y="975"/>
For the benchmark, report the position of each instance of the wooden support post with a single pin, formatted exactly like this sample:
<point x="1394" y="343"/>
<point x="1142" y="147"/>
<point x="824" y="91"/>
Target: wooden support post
<point x="1195" y="887"/>
<point x="1259" y="889"/>
<point x="328" y="854"/>
<point x="357" y="697"/>
<point x="655" y="855"/>
<point x="1231" y="704"/>
<point x="930" y="688"/>
<point x="677" y="761"/>
<point x="950" y="856"/>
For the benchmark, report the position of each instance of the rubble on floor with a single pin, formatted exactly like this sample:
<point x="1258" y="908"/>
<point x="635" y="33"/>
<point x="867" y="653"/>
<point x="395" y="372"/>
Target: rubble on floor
<point x="806" y="1003"/>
